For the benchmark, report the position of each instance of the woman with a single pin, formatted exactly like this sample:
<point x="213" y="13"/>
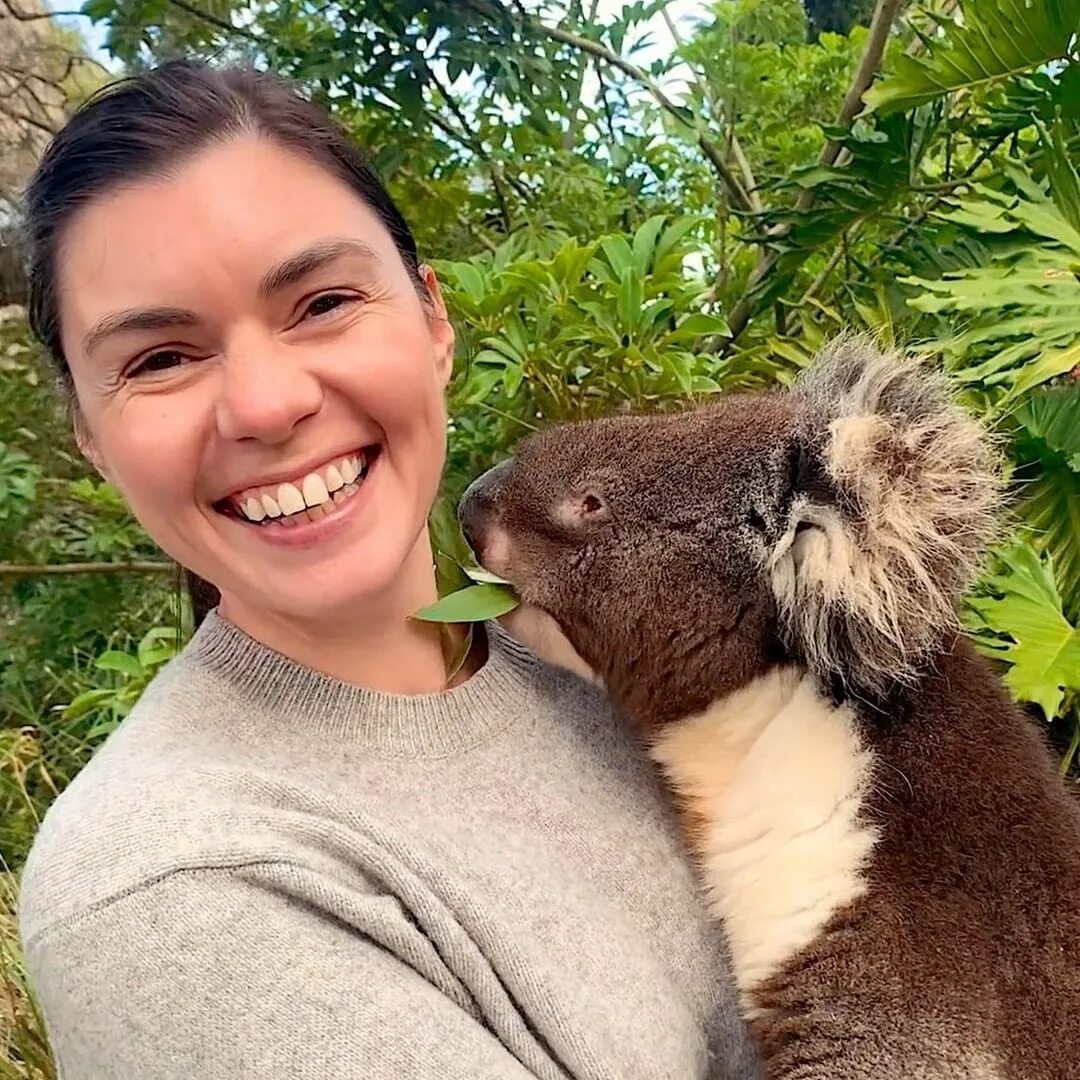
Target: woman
<point x="303" y="855"/>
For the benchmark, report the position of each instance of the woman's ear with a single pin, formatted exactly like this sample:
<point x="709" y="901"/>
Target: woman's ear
<point x="85" y="442"/>
<point x="442" y="330"/>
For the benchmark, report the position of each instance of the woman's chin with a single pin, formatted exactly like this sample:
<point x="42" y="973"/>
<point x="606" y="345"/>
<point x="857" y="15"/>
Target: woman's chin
<point x="325" y="595"/>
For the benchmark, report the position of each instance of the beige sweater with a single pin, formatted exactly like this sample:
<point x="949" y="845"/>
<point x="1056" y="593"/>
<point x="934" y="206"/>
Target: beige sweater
<point x="267" y="873"/>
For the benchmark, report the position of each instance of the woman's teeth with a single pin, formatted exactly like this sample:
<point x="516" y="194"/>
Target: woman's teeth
<point x="290" y="504"/>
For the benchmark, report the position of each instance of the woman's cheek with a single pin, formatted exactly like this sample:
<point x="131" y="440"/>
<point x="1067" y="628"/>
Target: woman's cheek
<point x="154" y="459"/>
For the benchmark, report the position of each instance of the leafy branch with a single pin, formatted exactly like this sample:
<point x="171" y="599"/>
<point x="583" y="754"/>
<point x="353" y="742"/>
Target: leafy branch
<point x="739" y="194"/>
<point x="884" y="15"/>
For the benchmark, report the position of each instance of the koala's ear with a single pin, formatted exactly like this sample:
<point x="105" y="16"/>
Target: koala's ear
<point x="893" y="494"/>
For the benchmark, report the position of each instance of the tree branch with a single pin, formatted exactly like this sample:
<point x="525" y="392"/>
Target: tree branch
<point x="734" y="146"/>
<point x="933" y="203"/>
<point x="30" y="16"/>
<point x="134" y="567"/>
<point x="26" y="118"/>
<point x="477" y="147"/>
<point x="213" y="20"/>
<point x="460" y="217"/>
<point x="716" y="157"/>
<point x="884" y="15"/>
<point x="498" y="176"/>
<point x="826" y="270"/>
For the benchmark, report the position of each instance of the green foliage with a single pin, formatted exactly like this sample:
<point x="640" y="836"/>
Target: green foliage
<point x="1016" y="617"/>
<point x="18" y="485"/>
<point x="594" y="325"/>
<point x="131" y="672"/>
<point x="998" y="40"/>
<point x="772" y="87"/>
<point x="52" y="509"/>
<point x="1022" y="311"/>
<point x="1047" y="452"/>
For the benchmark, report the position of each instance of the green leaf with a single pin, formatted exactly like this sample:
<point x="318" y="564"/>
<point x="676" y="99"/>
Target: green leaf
<point x="645" y="243"/>
<point x="672" y="236"/>
<point x="471" y="280"/>
<point x="1047" y="448"/>
<point x="1054" y="417"/>
<point x="102" y="728"/>
<point x="445" y="531"/>
<point x="629" y="300"/>
<point x="481" y="382"/>
<point x="1064" y="181"/>
<point x="996" y="40"/>
<point x="455" y="654"/>
<point x="123" y="662"/>
<point x="159" y="643"/>
<point x="476" y="603"/>
<point x="1019" y="621"/>
<point x="450" y="575"/>
<point x="492" y="356"/>
<point x="1022" y="311"/>
<point x="698" y="325"/>
<point x="619" y="255"/>
<point x="87" y="702"/>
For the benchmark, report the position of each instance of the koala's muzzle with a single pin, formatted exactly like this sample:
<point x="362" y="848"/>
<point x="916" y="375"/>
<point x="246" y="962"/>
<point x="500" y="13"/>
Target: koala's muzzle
<point x="477" y="510"/>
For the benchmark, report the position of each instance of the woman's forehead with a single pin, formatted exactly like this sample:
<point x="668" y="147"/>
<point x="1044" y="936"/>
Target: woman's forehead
<point x="216" y="224"/>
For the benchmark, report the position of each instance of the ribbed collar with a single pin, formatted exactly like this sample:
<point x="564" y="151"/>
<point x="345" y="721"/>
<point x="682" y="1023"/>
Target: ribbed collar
<point x="414" y="725"/>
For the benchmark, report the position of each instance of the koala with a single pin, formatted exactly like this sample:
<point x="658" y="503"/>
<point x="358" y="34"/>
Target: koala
<point x="766" y="586"/>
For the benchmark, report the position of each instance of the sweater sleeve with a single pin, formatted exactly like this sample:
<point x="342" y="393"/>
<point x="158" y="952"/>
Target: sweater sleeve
<point x="200" y="974"/>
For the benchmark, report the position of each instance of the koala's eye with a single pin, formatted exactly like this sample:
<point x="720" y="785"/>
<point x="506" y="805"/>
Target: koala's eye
<point x="591" y="504"/>
<point x="756" y="521"/>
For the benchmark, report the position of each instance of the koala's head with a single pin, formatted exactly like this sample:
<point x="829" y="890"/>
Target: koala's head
<point x="833" y="525"/>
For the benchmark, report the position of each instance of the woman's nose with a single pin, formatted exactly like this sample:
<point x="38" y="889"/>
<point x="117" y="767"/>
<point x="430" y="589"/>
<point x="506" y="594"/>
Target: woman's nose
<point x="266" y="391"/>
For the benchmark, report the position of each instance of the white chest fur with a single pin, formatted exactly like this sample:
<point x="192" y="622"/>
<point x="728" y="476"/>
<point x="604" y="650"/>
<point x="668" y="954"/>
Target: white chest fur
<point x="779" y="776"/>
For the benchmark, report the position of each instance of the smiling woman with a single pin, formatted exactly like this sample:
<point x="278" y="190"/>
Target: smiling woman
<point x="302" y="854"/>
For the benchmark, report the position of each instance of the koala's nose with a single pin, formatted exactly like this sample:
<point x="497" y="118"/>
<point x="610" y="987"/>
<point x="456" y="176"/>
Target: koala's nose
<point x="477" y="506"/>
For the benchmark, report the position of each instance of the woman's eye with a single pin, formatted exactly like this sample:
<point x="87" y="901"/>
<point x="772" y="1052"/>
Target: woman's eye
<point x="157" y="362"/>
<point x="325" y="304"/>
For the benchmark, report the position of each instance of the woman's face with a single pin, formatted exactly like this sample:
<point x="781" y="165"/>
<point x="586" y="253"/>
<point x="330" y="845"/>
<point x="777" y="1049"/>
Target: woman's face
<point x="256" y="373"/>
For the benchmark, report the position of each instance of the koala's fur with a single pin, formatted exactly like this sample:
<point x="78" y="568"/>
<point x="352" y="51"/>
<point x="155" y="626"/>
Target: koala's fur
<point x="767" y="587"/>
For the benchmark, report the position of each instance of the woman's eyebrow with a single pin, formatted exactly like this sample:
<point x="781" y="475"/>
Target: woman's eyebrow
<point x="136" y="319"/>
<point x="286" y="273"/>
<point x="312" y="258"/>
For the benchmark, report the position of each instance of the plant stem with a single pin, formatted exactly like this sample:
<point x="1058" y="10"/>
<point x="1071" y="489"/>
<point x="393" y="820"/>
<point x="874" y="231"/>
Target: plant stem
<point x="132" y="567"/>
<point x="736" y="150"/>
<point x="1074" y="745"/>
<point x="507" y="416"/>
<point x="213" y="20"/>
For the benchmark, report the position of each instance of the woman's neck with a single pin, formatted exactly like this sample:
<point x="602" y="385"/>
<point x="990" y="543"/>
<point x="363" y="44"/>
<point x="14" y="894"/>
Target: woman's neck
<point x="379" y="646"/>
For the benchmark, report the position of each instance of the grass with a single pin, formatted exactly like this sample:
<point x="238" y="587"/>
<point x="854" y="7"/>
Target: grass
<point x="25" y="1048"/>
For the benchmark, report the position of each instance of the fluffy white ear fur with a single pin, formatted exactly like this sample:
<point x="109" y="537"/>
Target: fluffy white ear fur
<point x="867" y="582"/>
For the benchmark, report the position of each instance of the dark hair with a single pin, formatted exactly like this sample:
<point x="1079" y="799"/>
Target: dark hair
<point x="140" y="127"/>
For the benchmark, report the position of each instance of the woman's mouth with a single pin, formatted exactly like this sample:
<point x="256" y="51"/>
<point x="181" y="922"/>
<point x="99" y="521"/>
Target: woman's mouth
<point x="306" y="499"/>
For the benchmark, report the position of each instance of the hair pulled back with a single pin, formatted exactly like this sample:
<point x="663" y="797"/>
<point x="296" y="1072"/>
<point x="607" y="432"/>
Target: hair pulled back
<point x="143" y="126"/>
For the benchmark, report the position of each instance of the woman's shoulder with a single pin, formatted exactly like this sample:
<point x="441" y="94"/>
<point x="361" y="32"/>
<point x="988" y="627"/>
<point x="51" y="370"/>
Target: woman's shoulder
<point x="151" y="801"/>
